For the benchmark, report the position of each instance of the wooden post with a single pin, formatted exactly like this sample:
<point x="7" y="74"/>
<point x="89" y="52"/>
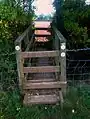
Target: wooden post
<point x="57" y="58"/>
<point x="27" y="38"/>
<point x="63" y="63"/>
<point x="19" y="65"/>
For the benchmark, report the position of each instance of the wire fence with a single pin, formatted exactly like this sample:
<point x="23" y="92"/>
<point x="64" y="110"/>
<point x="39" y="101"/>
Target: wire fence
<point x="78" y="66"/>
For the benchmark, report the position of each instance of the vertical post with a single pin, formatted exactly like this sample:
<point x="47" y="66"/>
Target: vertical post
<point x="57" y="57"/>
<point x="19" y="65"/>
<point x="27" y="37"/>
<point x="63" y="64"/>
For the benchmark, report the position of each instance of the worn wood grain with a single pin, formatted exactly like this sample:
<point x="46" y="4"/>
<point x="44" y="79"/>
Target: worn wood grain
<point x="41" y="69"/>
<point x="19" y="60"/>
<point x="60" y="36"/>
<point x="44" y="85"/>
<point x="21" y="37"/>
<point x="41" y="80"/>
<point x="40" y="54"/>
<point x="40" y="99"/>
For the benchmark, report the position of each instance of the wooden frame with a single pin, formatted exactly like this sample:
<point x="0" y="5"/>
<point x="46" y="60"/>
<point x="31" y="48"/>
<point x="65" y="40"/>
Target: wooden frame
<point x="20" y="60"/>
<point x="59" y="40"/>
<point x="60" y="69"/>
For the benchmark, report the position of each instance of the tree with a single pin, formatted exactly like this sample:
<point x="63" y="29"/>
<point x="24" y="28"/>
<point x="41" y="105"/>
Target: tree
<point x="74" y="15"/>
<point x="13" y="22"/>
<point x="58" y="4"/>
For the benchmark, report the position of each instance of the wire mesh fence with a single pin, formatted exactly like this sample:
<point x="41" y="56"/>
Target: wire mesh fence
<point x="78" y="66"/>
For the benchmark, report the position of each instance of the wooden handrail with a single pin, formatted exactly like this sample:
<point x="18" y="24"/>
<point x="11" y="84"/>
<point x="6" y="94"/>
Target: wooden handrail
<point x="25" y="39"/>
<point x="29" y="44"/>
<point x="60" y="36"/>
<point x="21" y="37"/>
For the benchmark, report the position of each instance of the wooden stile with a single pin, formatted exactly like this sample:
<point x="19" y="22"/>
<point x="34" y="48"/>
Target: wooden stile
<point x="58" y="84"/>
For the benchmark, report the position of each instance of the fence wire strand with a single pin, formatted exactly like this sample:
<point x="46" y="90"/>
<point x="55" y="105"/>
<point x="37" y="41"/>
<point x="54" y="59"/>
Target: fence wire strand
<point x="78" y="68"/>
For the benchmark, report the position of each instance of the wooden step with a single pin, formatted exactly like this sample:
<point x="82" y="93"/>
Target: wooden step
<point x="42" y="28"/>
<point x="40" y="99"/>
<point x="42" y="32"/>
<point x="40" y="54"/>
<point x="41" y="80"/>
<point x="42" y="35"/>
<point x="44" y="85"/>
<point x="41" y="69"/>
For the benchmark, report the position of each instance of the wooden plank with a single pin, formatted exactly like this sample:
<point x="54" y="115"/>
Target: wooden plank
<point x="40" y="54"/>
<point x="30" y="43"/>
<point x="21" y="37"/>
<point x="42" y="28"/>
<point x="44" y="85"/>
<point x="40" y="99"/>
<point x="41" y="69"/>
<point x="61" y="98"/>
<point x="60" y="36"/>
<point x="57" y="45"/>
<point x="63" y="67"/>
<point x="40" y="80"/>
<point x="42" y="35"/>
<point x="19" y="60"/>
<point x="42" y="32"/>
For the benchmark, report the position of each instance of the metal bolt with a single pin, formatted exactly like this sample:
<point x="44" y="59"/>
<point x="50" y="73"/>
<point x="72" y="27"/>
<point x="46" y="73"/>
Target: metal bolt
<point x="17" y="48"/>
<point x="63" y="54"/>
<point x="63" y="46"/>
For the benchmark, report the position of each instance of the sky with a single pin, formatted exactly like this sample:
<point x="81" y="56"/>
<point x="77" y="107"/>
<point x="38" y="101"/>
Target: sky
<point x="45" y="6"/>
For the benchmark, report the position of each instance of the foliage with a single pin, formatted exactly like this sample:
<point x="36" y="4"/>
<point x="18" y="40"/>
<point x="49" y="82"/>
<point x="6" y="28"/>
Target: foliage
<point x="76" y="22"/>
<point x="25" y="4"/>
<point x="13" y="21"/>
<point x="77" y="99"/>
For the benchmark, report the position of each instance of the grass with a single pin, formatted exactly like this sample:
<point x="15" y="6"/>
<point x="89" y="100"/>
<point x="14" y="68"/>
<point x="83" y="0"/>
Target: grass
<point x="76" y="106"/>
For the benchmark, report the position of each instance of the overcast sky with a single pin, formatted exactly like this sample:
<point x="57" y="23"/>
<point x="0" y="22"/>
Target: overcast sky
<point x="45" y="6"/>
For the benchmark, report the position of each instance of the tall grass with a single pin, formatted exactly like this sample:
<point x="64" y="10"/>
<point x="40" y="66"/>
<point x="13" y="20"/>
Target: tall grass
<point x="76" y="106"/>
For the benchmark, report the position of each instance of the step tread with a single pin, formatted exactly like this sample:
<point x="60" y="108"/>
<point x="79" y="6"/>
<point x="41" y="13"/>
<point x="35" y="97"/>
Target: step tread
<point x="40" y="99"/>
<point x="42" y="28"/>
<point x="42" y="35"/>
<point x="40" y="54"/>
<point x="41" y="69"/>
<point x="41" y="80"/>
<point x="44" y="85"/>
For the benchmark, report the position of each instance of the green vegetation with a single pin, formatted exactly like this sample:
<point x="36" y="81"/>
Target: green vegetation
<point x="15" y="17"/>
<point x="13" y="21"/>
<point x="76" y="106"/>
<point x="73" y="21"/>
